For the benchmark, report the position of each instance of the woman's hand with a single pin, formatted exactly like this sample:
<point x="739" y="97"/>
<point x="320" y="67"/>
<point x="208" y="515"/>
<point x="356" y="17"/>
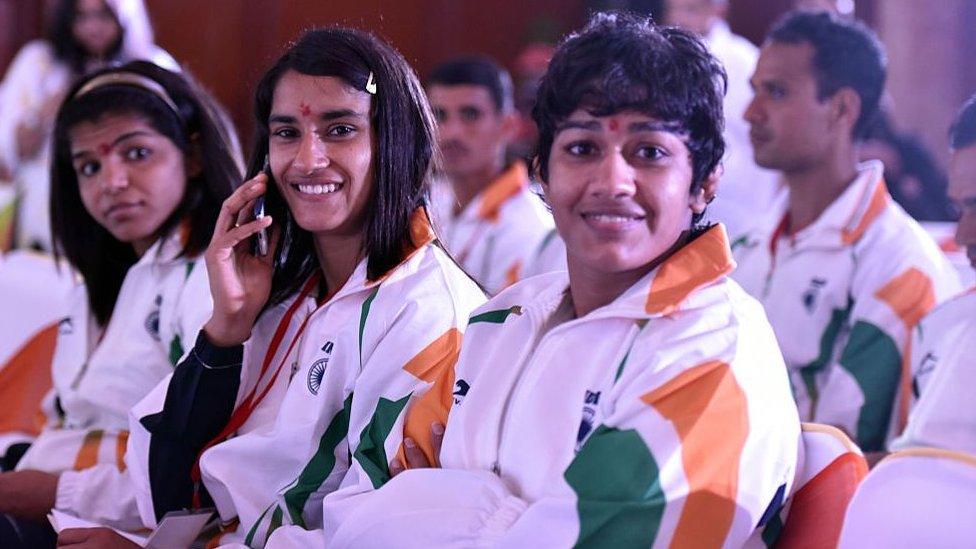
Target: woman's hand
<point x="93" y="538"/>
<point x="240" y="282"/>
<point x="28" y="494"/>
<point x="415" y="456"/>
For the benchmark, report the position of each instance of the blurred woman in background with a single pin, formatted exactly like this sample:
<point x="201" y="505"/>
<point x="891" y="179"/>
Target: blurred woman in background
<point x="83" y="35"/>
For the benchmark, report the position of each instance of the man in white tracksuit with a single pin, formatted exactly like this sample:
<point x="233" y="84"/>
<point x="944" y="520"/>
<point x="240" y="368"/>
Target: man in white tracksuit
<point x="944" y="342"/>
<point x="843" y="271"/>
<point x="637" y="400"/>
<point x="488" y="216"/>
<point x="747" y="190"/>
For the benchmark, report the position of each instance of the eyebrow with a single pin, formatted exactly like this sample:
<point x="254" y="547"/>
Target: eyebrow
<point x="119" y="139"/>
<point x="325" y="116"/>
<point x="635" y="127"/>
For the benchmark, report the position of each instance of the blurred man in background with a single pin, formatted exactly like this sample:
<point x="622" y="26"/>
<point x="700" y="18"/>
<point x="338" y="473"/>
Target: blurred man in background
<point x="746" y="190"/>
<point x="489" y="218"/>
<point x="843" y="271"/>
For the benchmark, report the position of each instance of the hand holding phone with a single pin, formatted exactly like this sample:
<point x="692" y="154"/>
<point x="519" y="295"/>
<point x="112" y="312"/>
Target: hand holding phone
<point x="240" y="278"/>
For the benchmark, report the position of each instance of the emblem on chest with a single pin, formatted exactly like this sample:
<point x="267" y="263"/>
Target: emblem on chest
<point x="317" y="371"/>
<point x="811" y="297"/>
<point x="590" y="403"/>
<point x="152" y="320"/>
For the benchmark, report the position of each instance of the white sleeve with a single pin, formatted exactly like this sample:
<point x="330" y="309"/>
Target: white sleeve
<point x="101" y="494"/>
<point x="195" y="306"/>
<point x="469" y="509"/>
<point x="289" y="536"/>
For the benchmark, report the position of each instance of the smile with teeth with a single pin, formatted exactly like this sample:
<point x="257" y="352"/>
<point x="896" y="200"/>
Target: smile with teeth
<point x="318" y="189"/>
<point x="612" y="218"/>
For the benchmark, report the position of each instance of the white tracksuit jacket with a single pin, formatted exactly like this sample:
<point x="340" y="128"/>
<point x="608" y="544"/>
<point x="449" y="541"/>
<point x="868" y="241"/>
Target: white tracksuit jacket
<point x="368" y="353"/>
<point x="943" y="348"/>
<point x="496" y="235"/>
<point x="98" y="375"/>
<point x="661" y="419"/>
<point x="843" y="296"/>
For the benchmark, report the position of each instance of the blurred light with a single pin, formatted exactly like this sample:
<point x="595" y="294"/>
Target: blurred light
<point x="845" y="7"/>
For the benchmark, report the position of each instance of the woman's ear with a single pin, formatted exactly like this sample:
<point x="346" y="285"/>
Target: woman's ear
<point x="700" y="199"/>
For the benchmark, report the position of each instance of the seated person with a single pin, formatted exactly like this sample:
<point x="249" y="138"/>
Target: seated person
<point x="315" y="350"/>
<point x="141" y="167"/>
<point x="945" y="341"/>
<point x="639" y="399"/>
<point x="843" y="272"/>
<point x="490" y="219"/>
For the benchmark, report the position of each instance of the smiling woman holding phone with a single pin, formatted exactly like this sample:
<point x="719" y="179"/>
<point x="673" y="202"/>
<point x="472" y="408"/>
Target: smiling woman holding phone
<point x="354" y="298"/>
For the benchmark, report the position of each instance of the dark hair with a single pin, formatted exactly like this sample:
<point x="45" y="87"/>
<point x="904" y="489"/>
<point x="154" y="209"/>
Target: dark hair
<point x="197" y="129"/>
<point x="477" y="70"/>
<point x="62" y="38"/>
<point x="847" y="54"/>
<point x="621" y="62"/>
<point x="403" y="159"/>
<point x="963" y="131"/>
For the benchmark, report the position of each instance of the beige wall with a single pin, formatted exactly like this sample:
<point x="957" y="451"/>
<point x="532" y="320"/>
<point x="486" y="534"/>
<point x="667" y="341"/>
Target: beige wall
<point x="932" y="63"/>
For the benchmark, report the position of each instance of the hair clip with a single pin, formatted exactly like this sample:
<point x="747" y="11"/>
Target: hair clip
<point x="371" y="84"/>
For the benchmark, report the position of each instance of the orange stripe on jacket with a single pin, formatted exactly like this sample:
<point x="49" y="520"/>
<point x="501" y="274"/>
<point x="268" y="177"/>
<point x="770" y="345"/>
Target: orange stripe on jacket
<point x="699" y="263"/>
<point x="508" y="184"/>
<point x="24" y="381"/>
<point x="88" y="454"/>
<point x="434" y="364"/>
<point x="120" y="443"/>
<point x="911" y="295"/>
<point x="879" y="201"/>
<point x="708" y="410"/>
<point x="513" y="274"/>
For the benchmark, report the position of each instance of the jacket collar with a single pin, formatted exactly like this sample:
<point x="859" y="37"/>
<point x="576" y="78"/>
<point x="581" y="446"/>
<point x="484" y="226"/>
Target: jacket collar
<point x="488" y="205"/>
<point x="666" y="289"/>
<point x="851" y="214"/>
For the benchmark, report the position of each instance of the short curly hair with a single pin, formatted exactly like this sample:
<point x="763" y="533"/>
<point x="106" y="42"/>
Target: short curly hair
<point x="621" y="62"/>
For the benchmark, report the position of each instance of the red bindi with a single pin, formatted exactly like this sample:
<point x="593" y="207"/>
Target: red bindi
<point x="305" y="109"/>
<point x="104" y="149"/>
<point x="614" y="124"/>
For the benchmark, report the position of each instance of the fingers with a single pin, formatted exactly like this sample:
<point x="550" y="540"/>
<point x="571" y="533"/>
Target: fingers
<point x="237" y="201"/>
<point x="436" y="439"/>
<point x="396" y="467"/>
<point x="415" y="456"/>
<point x="71" y="536"/>
<point x="238" y="234"/>
<point x="246" y="214"/>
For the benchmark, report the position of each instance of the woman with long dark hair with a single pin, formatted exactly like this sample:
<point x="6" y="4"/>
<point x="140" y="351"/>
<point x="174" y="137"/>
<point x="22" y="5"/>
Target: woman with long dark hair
<point x="318" y="361"/>
<point x="83" y="36"/>
<point x="141" y="165"/>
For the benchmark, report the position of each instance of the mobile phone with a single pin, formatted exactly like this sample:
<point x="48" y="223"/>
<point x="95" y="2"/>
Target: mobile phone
<point x="259" y="244"/>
